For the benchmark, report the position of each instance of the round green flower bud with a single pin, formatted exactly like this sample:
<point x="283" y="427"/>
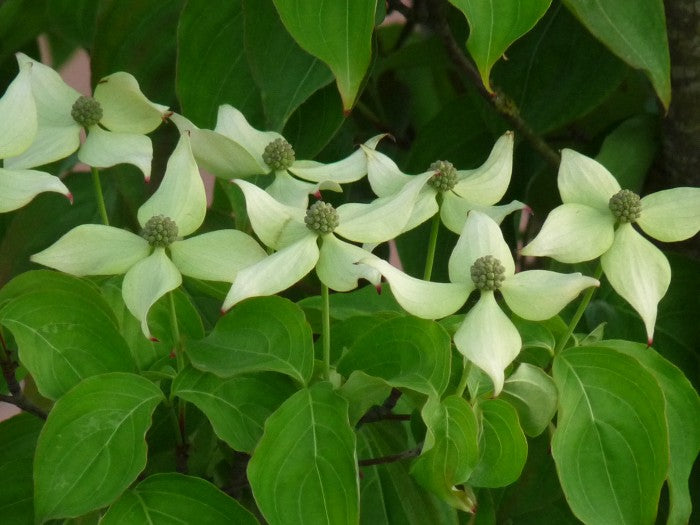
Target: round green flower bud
<point x="626" y="206"/>
<point x="487" y="273"/>
<point x="160" y="230"/>
<point x="321" y="217"/>
<point x="445" y="177"/>
<point x="86" y="111"/>
<point x="279" y="154"/>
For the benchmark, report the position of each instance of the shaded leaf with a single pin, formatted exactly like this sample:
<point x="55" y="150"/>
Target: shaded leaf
<point x="176" y="498"/>
<point x="339" y="33"/>
<point x="362" y="392"/>
<point x="18" y="437"/>
<point x="93" y="445"/>
<point x="634" y="31"/>
<point x="494" y="26"/>
<point x="212" y="67"/>
<point x="304" y="470"/>
<point x="286" y="75"/>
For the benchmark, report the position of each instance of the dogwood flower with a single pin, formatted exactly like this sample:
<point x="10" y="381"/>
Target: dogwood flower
<point x="116" y="120"/>
<point x="18" y="113"/>
<point x="595" y="220"/>
<point x="235" y="149"/>
<point x="295" y="233"/>
<point x="459" y="191"/>
<point x="154" y="262"/>
<point x="481" y="260"/>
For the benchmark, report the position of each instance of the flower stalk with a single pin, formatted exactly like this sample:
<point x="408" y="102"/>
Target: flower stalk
<point x="99" y="196"/>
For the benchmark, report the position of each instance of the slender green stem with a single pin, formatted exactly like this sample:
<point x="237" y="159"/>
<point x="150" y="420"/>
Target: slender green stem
<point x="432" y="244"/>
<point x="461" y="387"/>
<point x="178" y="411"/>
<point x="326" y="332"/>
<point x="579" y="312"/>
<point x="99" y="195"/>
<point x="175" y="328"/>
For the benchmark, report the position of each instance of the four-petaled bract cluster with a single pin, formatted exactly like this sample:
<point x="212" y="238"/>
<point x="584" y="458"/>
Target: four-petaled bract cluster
<point x="596" y="218"/>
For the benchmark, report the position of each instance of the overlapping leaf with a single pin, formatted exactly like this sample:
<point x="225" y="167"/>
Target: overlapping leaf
<point x="304" y="469"/>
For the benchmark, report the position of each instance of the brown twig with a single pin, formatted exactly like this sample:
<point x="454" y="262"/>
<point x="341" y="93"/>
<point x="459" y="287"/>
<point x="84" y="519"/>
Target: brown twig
<point x="406" y="454"/>
<point x="16" y="396"/>
<point x="499" y="101"/>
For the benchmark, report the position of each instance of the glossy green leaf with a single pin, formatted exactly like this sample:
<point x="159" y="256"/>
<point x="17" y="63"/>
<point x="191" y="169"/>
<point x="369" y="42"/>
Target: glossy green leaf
<point x="534" y="395"/>
<point x="339" y="33"/>
<point x="550" y="79"/>
<point x="212" y="66"/>
<point x="682" y="416"/>
<point x="362" y="392"/>
<point x="494" y="26"/>
<point x="92" y="446"/>
<point x="304" y="470"/>
<point x="18" y="437"/>
<point x="237" y="406"/>
<point x="450" y="450"/>
<point x="634" y="31"/>
<point x="175" y="498"/>
<point x="388" y="493"/>
<point x="502" y="446"/>
<point x="611" y="442"/>
<point x="405" y="352"/>
<point x="285" y="73"/>
<point x="64" y="330"/>
<point x="259" y="334"/>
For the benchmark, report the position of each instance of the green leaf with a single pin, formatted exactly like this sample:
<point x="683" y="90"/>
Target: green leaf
<point x="362" y="392"/>
<point x="93" y="446"/>
<point x="315" y="122"/>
<point x="73" y="20"/>
<point x="550" y="60"/>
<point x="450" y="450"/>
<point x="629" y="150"/>
<point x="212" y="67"/>
<point x="502" y="446"/>
<point x="238" y="406"/>
<point x="149" y="26"/>
<point x="494" y="26"/>
<point x="405" y="352"/>
<point x="304" y="470"/>
<point x="285" y="73"/>
<point x="339" y="33"/>
<point x="18" y="437"/>
<point x="176" y="498"/>
<point x="611" y="442"/>
<point x="533" y="394"/>
<point x="64" y="329"/>
<point x="388" y="493"/>
<point x="634" y="31"/>
<point x="682" y="416"/>
<point x="257" y="335"/>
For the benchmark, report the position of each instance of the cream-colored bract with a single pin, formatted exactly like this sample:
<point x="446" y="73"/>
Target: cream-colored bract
<point x="584" y="228"/>
<point x="486" y="336"/>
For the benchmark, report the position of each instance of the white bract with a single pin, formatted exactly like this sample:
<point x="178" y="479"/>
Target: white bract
<point x="235" y="149"/>
<point x="19" y="129"/>
<point x="116" y="134"/>
<point x="478" y="189"/>
<point x="482" y="260"/>
<point x="585" y="227"/>
<point x="154" y="268"/>
<point x="285" y="229"/>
